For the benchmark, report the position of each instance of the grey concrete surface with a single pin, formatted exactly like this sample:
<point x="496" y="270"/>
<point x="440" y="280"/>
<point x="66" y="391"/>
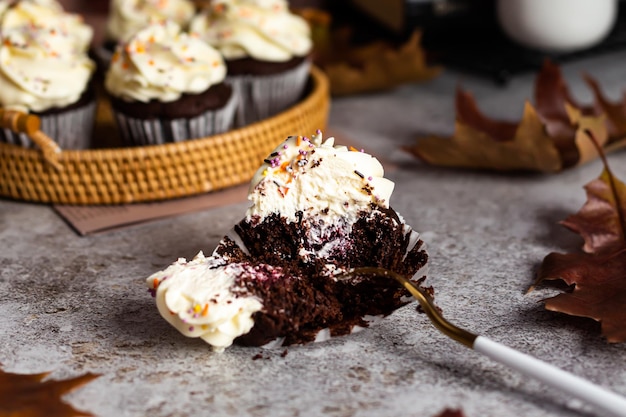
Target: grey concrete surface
<point x="71" y="304"/>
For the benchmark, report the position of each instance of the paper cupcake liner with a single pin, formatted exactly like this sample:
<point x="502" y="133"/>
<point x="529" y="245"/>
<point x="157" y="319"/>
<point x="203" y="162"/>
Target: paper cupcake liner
<point x="70" y="129"/>
<point x="141" y="132"/>
<point x="262" y="96"/>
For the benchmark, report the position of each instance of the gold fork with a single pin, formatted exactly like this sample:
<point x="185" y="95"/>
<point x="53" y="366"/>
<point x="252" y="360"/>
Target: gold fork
<point x="550" y="375"/>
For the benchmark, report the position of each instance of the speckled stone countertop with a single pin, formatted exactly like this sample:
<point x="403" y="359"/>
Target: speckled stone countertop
<point x="72" y="305"/>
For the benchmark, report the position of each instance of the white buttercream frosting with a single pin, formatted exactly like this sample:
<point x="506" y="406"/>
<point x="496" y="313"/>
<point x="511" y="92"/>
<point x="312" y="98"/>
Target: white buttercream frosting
<point x="41" y="68"/>
<point x="316" y="178"/>
<point x="127" y="17"/>
<point x="262" y="29"/>
<point x="50" y="4"/>
<point x="45" y="15"/>
<point x="161" y="62"/>
<point x="197" y="298"/>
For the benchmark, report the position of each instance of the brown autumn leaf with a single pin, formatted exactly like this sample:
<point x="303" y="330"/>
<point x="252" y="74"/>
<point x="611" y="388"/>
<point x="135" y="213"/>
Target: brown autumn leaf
<point x="598" y="277"/>
<point x="480" y="142"/>
<point x="555" y="123"/>
<point x="565" y="120"/>
<point x="31" y="396"/>
<point x="615" y="112"/>
<point x="377" y="66"/>
<point x="582" y="146"/>
<point x="551" y="94"/>
<point x="601" y="220"/>
<point x="599" y="289"/>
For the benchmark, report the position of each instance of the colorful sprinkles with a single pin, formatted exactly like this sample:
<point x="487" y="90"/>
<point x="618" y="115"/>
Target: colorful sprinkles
<point x="285" y="165"/>
<point x="164" y="53"/>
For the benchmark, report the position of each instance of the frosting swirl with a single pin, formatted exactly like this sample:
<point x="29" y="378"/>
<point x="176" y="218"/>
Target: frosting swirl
<point x="127" y="17"/>
<point x="161" y="62"/>
<point x="262" y="29"/>
<point x="40" y="68"/>
<point x="318" y="179"/>
<point x="46" y="15"/>
<point x="50" y="4"/>
<point x="197" y="298"/>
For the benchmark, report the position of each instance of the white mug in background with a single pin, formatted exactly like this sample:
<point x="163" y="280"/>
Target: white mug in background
<point x="557" y="25"/>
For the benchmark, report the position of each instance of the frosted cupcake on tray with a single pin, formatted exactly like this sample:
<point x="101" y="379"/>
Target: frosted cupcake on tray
<point x="318" y="210"/>
<point x="44" y="70"/>
<point x="266" y="49"/>
<point x="168" y="86"/>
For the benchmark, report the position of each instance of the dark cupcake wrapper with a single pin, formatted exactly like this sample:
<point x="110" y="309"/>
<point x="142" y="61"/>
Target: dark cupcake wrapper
<point x="70" y="129"/>
<point x="262" y="96"/>
<point x="140" y="132"/>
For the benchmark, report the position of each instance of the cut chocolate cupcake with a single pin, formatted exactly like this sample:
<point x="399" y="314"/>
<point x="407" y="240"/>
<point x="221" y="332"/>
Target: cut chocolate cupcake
<point x="318" y="211"/>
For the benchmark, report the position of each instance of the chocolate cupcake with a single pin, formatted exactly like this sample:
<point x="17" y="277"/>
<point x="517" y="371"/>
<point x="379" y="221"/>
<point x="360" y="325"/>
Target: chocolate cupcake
<point x="168" y="86"/>
<point x="45" y="71"/>
<point x="266" y="49"/>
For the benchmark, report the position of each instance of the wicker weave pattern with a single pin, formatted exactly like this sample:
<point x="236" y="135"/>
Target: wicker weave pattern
<point x="151" y="173"/>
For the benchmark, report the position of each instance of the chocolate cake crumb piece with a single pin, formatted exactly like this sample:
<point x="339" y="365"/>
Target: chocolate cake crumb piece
<point x="285" y="352"/>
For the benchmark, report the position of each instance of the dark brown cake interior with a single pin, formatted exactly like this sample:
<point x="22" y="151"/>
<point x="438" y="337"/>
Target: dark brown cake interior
<point x="307" y="299"/>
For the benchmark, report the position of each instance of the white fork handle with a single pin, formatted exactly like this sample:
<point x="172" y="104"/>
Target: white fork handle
<point x="553" y="376"/>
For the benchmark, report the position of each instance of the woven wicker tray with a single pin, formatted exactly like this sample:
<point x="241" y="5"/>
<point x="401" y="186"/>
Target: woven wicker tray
<point x="48" y="174"/>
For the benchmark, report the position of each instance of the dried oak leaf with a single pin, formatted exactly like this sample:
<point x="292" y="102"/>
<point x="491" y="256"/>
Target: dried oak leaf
<point x="480" y="142"/>
<point x="31" y="396"/>
<point x="615" y="112"/>
<point x="565" y="120"/>
<point x="598" y="277"/>
<point x="377" y="66"/>
<point x="552" y="135"/>
<point x="599" y="289"/>
<point x="601" y="219"/>
<point x="355" y="69"/>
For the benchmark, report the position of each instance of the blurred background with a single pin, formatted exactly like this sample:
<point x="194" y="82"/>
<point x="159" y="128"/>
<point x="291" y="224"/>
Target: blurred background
<point x="496" y="39"/>
<point x="492" y="38"/>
